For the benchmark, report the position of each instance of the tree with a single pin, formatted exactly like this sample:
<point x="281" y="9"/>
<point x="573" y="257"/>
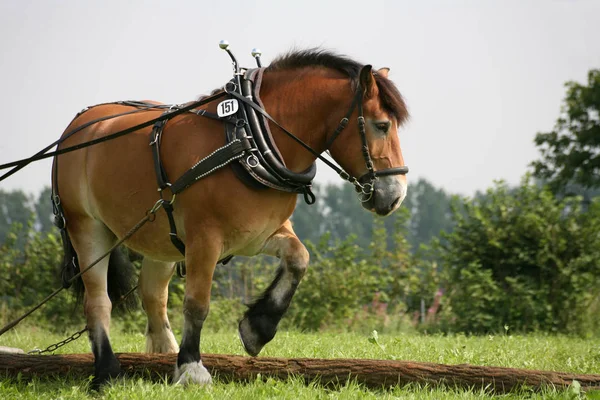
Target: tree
<point x="339" y="212"/>
<point x="523" y="258"/>
<point x="571" y="152"/>
<point x="345" y="215"/>
<point x="14" y="208"/>
<point x="308" y="218"/>
<point x="429" y="212"/>
<point x="43" y="209"/>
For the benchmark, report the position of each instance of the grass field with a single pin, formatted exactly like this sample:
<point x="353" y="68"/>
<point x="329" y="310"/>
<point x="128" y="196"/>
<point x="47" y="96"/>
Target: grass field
<point x="558" y="353"/>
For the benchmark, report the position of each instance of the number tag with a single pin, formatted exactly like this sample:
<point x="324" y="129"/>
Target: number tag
<point x="227" y="107"/>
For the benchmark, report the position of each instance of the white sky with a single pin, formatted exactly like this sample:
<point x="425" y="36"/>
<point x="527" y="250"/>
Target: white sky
<point x="480" y="77"/>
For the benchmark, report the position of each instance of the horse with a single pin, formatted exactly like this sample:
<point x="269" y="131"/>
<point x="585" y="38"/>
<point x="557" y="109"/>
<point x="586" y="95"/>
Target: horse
<point x="105" y="189"/>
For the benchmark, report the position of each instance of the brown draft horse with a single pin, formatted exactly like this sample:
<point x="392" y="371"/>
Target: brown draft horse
<point x="105" y="189"/>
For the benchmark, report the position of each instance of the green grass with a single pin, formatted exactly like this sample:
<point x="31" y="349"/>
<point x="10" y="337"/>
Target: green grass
<point x="560" y="353"/>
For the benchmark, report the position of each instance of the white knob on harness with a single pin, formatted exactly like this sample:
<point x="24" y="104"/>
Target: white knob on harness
<point x="256" y="52"/>
<point x="224" y="44"/>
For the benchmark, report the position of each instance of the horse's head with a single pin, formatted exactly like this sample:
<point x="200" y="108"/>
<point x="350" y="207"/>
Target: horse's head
<point x="384" y="111"/>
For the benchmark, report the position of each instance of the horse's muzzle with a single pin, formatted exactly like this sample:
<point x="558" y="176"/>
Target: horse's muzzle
<point x="388" y="193"/>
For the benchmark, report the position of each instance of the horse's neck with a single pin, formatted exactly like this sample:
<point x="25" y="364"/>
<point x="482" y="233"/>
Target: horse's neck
<point x="304" y="105"/>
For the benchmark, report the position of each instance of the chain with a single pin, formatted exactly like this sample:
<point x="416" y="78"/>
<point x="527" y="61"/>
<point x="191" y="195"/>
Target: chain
<point x="76" y="335"/>
<point x="55" y="346"/>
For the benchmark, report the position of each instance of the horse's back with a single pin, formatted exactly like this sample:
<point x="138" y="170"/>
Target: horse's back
<point x="85" y="174"/>
<point x="115" y="182"/>
<point x="111" y="182"/>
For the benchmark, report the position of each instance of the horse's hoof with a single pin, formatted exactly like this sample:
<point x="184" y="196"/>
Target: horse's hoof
<point x="192" y="373"/>
<point x="98" y="382"/>
<point x="109" y="370"/>
<point x="251" y="340"/>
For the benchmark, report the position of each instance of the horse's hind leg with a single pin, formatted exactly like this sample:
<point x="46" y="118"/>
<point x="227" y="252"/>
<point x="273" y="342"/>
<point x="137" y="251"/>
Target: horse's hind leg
<point x="91" y="239"/>
<point x="154" y="290"/>
<point x="260" y="321"/>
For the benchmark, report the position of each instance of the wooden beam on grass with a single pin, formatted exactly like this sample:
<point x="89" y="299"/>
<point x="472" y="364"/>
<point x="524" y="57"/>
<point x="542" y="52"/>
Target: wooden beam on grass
<point x="372" y="373"/>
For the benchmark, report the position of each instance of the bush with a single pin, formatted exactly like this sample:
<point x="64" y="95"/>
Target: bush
<point x="31" y="273"/>
<point x="524" y="259"/>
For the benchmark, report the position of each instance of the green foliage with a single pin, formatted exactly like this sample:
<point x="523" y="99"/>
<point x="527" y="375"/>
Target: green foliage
<point x="43" y="210"/>
<point x="14" y="208"/>
<point x="516" y="257"/>
<point x="335" y="286"/>
<point x="571" y="152"/>
<point x="30" y="274"/>
<point x="349" y="287"/>
<point x="338" y="212"/>
<point x="430" y="212"/>
<point x="522" y="259"/>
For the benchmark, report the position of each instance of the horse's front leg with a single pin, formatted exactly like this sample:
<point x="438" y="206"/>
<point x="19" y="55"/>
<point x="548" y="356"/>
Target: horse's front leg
<point x="200" y="261"/>
<point x="260" y="321"/>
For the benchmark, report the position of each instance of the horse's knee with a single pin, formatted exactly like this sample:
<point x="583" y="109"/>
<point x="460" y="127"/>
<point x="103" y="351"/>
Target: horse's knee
<point x="97" y="309"/>
<point x="296" y="260"/>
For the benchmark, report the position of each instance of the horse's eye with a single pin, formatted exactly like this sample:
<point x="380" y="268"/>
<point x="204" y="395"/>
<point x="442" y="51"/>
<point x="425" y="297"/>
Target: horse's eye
<point x="383" y="126"/>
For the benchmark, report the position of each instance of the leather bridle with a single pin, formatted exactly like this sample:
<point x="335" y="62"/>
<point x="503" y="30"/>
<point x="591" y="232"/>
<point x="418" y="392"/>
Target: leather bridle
<point x="365" y="189"/>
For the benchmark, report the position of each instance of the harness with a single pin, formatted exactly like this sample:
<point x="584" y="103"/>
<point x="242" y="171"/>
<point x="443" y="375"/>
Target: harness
<point x="249" y="149"/>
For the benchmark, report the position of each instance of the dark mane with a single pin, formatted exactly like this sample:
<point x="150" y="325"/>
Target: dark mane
<point x="316" y="58"/>
<point x="389" y="95"/>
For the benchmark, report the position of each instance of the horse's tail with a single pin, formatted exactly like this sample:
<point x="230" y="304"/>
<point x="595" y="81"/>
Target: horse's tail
<point x="120" y="280"/>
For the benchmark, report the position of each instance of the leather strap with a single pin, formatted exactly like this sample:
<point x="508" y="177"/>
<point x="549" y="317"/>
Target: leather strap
<point x="177" y="242"/>
<point x="155" y="140"/>
<point x="44" y="153"/>
<point x="211" y="163"/>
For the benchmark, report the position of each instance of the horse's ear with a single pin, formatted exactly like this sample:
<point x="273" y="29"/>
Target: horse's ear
<point x="367" y="81"/>
<point x="383" y="72"/>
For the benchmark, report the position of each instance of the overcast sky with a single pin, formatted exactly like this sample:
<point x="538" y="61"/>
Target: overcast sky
<point x="480" y="77"/>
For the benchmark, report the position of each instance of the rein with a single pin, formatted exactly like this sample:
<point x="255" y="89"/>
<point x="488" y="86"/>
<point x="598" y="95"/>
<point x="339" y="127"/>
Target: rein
<point x="42" y="154"/>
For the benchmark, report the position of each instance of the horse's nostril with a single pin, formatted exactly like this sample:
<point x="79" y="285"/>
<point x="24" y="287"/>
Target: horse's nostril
<point x="395" y="203"/>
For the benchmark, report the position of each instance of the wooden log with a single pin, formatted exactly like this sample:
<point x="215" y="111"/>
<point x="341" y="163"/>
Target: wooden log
<point x="372" y="373"/>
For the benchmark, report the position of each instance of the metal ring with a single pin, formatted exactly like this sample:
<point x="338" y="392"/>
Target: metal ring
<point x="365" y="199"/>
<point x="156" y="206"/>
<point x="232" y="90"/>
<point x="252" y="161"/>
<point x="364" y="189"/>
